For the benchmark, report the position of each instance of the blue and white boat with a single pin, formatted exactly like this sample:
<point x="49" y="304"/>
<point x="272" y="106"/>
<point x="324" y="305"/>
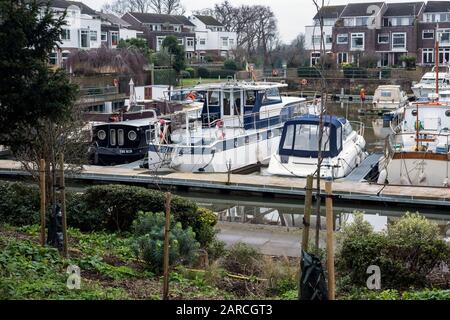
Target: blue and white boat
<point x="240" y="125"/>
<point x="343" y="148"/>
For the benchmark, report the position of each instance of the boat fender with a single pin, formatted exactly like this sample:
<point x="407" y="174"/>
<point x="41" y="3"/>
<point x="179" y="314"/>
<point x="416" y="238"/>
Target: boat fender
<point x="382" y="177"/>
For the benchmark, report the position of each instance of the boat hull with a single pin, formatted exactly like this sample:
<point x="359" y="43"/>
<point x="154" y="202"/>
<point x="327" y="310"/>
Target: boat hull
<point x="417" y="171"/>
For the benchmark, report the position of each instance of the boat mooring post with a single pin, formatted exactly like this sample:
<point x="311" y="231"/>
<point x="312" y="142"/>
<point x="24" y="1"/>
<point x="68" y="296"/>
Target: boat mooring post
<point x="63" y="205"/>
<point x="330" y="243"/>
<point x="307" y="213"/>
<point x="166" y="247"/>
<point x="42" y="196"/>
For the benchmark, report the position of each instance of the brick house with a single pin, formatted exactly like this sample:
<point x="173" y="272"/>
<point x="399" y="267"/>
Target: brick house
<point x="157" y="27"/>
<point x="435" y="22"/>
<point x="355" y="32"/>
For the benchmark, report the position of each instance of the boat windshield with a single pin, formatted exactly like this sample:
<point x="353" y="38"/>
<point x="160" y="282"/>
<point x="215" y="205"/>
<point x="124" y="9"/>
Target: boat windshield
<point x="306" y="138"/>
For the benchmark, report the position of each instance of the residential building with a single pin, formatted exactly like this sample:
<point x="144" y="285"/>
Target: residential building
<point x="435" y="25"/>
<point x="82" y="29"/>
<point x="356" y="31"/>
<point x="157" y="27"/>
<point x="114" y="29"/>
<point x="330" y="15"/>
<point x="398" y="33"/>
<point x="211" y="38"/>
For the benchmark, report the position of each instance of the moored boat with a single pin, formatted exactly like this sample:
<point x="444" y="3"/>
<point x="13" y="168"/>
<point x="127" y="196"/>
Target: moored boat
<point x="240" y="125"/>
<point x="343" y="148"/>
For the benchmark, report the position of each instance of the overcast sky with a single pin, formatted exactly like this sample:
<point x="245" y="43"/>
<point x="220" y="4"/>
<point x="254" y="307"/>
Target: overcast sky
<point x="292" y="15"/>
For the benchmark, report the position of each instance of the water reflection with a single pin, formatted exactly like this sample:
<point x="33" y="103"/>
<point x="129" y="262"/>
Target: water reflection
<point x="289" y="214"/>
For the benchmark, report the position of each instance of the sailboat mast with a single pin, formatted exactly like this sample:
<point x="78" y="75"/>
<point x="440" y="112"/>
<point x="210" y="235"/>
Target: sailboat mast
<point x="437" y="65"/>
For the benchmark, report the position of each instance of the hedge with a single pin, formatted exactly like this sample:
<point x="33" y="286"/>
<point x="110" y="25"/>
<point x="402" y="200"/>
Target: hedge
<point x="110" y="207"/>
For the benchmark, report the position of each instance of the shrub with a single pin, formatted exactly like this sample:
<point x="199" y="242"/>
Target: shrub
<point x="216" y="250"/>
<point x="209" y="59"/>
<point x="204" y="225"/>
<point x="282" y="275"/>
<point x="165" y="77"/>
<point x="230" y="64"/>
<point x="191" y="72"/>
<point x="19" y="204"/>
<point x="243" y="259"/>
<point x="407" y="253"/>
<point x="223" y="74"/>
<point x="149" y="241"/>
<point x="368" y="61"/>
<point x="119" y="205"/>
<point x="203" y="72"/>
<point x="185" y="75"/>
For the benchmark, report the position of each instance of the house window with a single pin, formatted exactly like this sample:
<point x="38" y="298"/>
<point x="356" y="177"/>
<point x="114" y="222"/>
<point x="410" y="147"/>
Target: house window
<point x="384" y="59"/>
<point x="180" y="41"/>
<point x="349" y="22"/>
<point x="202" y="42"/>
<point x="428" y="55"/>
<point x="104" y="36"/>
<point x="177" y="28"/>
<point x="383" y="38"/>
<point x="224" y="42"/>
<point x="428" y="34"/>
<point x="342" y="57"/>
<point x="93" y="35"/>
<point x="316" y="40"/>
<point x="53" y="58"/>
<point x="190" y="42"/>
<point x="357" y="41"/>
<point x="315" y="58"/>
<point x="64" y="56"/>
<point x="328" y="39"/>
<point x="342" y="38"/>
<point x="444" y="36"/>
<point x="84" y="39"/>
<point x="398" y="21"/>
<point x="65" y="35"/>
<point x="231" y="42"/>
<point x="398" y="41"/>
<point x="363" y="21"/>
<point x="160" y="41"/>
<point x="114" y="38"/>
<point x="444" y="55"/>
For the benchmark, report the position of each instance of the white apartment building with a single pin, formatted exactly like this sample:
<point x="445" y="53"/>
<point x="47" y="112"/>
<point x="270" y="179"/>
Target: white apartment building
<point x="82" y="29"/>
<point x="330" y="15"/>
<point x="211" y="38"/>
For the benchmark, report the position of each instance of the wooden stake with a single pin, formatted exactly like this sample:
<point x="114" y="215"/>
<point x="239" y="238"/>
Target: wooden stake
<point x="307" y="215"/>
<point x="63" y="205"/>
<point x="330" y="244"/>
<point x="42" y="196"/>
<point x="166" y="248"/>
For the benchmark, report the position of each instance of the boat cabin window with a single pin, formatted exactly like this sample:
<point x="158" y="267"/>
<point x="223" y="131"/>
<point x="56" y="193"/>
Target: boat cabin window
<point x="226" y="104"/>
<point x="112" y="137"/>
<point x="306" y="138"/>
<point x="120" y="137"/>
<point x="348" y="129"/>
<point x="213" y="98"/>
<point x="250" y="98"/>
<point x="149" y="136"/>
<point x="272" y="95"/>
<point x="386" y="94"/>
<point x="339" y="138"/>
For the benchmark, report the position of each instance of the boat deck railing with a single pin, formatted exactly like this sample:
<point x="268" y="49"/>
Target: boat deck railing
<point x="394" y="143"/>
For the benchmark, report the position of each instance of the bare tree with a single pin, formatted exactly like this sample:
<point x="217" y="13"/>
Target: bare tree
<point x="121" y="7"/>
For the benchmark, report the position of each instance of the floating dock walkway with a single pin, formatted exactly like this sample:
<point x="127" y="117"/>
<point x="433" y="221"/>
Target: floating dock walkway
<point x="352" y="189"/>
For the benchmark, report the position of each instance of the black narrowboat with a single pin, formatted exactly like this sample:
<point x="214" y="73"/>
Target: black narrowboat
<point x="119" y="143"/>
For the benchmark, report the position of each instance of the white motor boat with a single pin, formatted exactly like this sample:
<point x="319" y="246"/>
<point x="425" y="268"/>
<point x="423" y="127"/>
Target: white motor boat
<point x="297" y="155"/>
<point x="418" y="152"/>
<point x="240" y="125"/>
<point x="427" y="84"/>
<point x="388" y="98"/>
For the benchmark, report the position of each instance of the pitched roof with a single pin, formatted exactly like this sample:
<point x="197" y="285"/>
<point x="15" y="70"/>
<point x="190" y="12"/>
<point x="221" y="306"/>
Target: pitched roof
<point x="64" y="4"/>
<point x="329" y="12"/>
<point x="209" y="21"/>
<point x="113" y="19"/>
<point x="403" y="9"/>
<point x="437" y="6"/>
<point x="161" y="18"/>
<point x="360" y="9"/>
